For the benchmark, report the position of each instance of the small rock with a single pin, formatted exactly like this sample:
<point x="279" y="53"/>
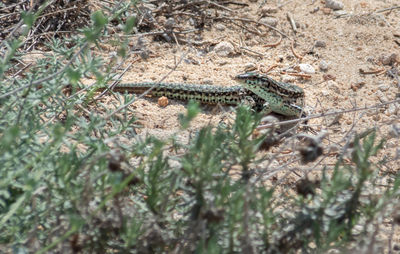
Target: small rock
<point x="320" y="44"/>
<point x="391" y="110"/>
<point x="381" y="96"/>
<point x="288" y="79"/>
<point x="325" y="92"/>
<point x="307" y="68"/>
<point x="323" y="65"/>
<point x="224" y="48"/>
<point x="389" y="59"/>
<point x="340" y="13"/>
<point x="249" y="66"/>
<point x="334" y="4"/>
<point x="333" y="86"/>
<point x="270" y="21"/>
<point x="170" y="23"/>
<point x="220" y="27"/>
<point x="383" y="87"/>
<point x="163" y="101"/>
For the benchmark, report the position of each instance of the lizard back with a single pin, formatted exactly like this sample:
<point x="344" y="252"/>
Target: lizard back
<point x="207" y="94"/>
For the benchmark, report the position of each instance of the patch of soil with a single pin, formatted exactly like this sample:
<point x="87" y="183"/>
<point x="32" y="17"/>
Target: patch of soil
<point x="354" y="52"/>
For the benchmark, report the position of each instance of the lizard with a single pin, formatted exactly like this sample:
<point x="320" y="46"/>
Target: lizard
<point x="259" y="91"/>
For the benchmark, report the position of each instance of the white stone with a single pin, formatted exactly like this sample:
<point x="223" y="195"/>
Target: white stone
<point x="323" y="65"/>
<point x="320" y="44"/>
<point x="334" y="4"/>
<point x="381" y="96"/>
<point x="392" y="109"/>
<point x="249" y="66"/>
<point x="307" y="68"/>
<point x="220" y="27"/>
<point x="224" y="48"/>
<point x="383" y="87"/>
<point x="270" y="21"/>
<point x="288" y="79"/>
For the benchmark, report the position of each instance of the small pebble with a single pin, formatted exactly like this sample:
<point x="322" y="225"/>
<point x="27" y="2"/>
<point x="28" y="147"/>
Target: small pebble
<point x="249" y="66"/>
<point x="307" y="68"/>
<point x="224" y="48"/>
<point x="270" y="21"/>
<point x="323" y="65"/>
<point x="325" y="92"/>
<point x="320" y="44"/>
<point x="391" y="110"/>
<point x="381" y="96"/>
<point x="220" y="27"/>
<point x="333" y="86"/>
<point x="288" y="79"/>
<point x="383" y="87"/>
<point x="170" y="23"/>
<point x="389" y="59"/>
<point x="340" y="13"/>
<point x="163" y="101"/>
<point x="334" y="4"/>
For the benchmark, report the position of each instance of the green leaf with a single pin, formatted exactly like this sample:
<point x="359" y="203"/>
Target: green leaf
<point x="9" y="137"/>
<point x="28" y="18"/>
<point x="73" y="75"/>
<point x="192" y="111"/>
<point x="129" y="25"/>
<point x="99" y="20"/>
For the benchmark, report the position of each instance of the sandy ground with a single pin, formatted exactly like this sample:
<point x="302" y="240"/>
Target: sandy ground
<point x="362" y="37"/>
<point x="340" y="45"/>
<point x="359" y="39"/>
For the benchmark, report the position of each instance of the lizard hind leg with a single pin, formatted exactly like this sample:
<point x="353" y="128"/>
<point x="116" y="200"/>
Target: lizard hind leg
<point x="266" y="109"/>
<point x="249" y="101"/>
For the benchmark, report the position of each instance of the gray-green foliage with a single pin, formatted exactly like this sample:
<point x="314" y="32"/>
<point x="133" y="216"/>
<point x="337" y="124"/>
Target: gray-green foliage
<point x="67" y="183"/>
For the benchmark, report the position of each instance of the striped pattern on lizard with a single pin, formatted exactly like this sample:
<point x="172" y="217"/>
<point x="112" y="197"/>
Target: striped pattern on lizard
<point x="259" y="91"/>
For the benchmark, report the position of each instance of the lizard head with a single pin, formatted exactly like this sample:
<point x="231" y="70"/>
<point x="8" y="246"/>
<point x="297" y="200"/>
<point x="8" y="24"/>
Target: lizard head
<point x="270" y="85"/>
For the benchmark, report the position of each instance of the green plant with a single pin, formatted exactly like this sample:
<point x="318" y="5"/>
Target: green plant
<point x="67" y="183"/>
